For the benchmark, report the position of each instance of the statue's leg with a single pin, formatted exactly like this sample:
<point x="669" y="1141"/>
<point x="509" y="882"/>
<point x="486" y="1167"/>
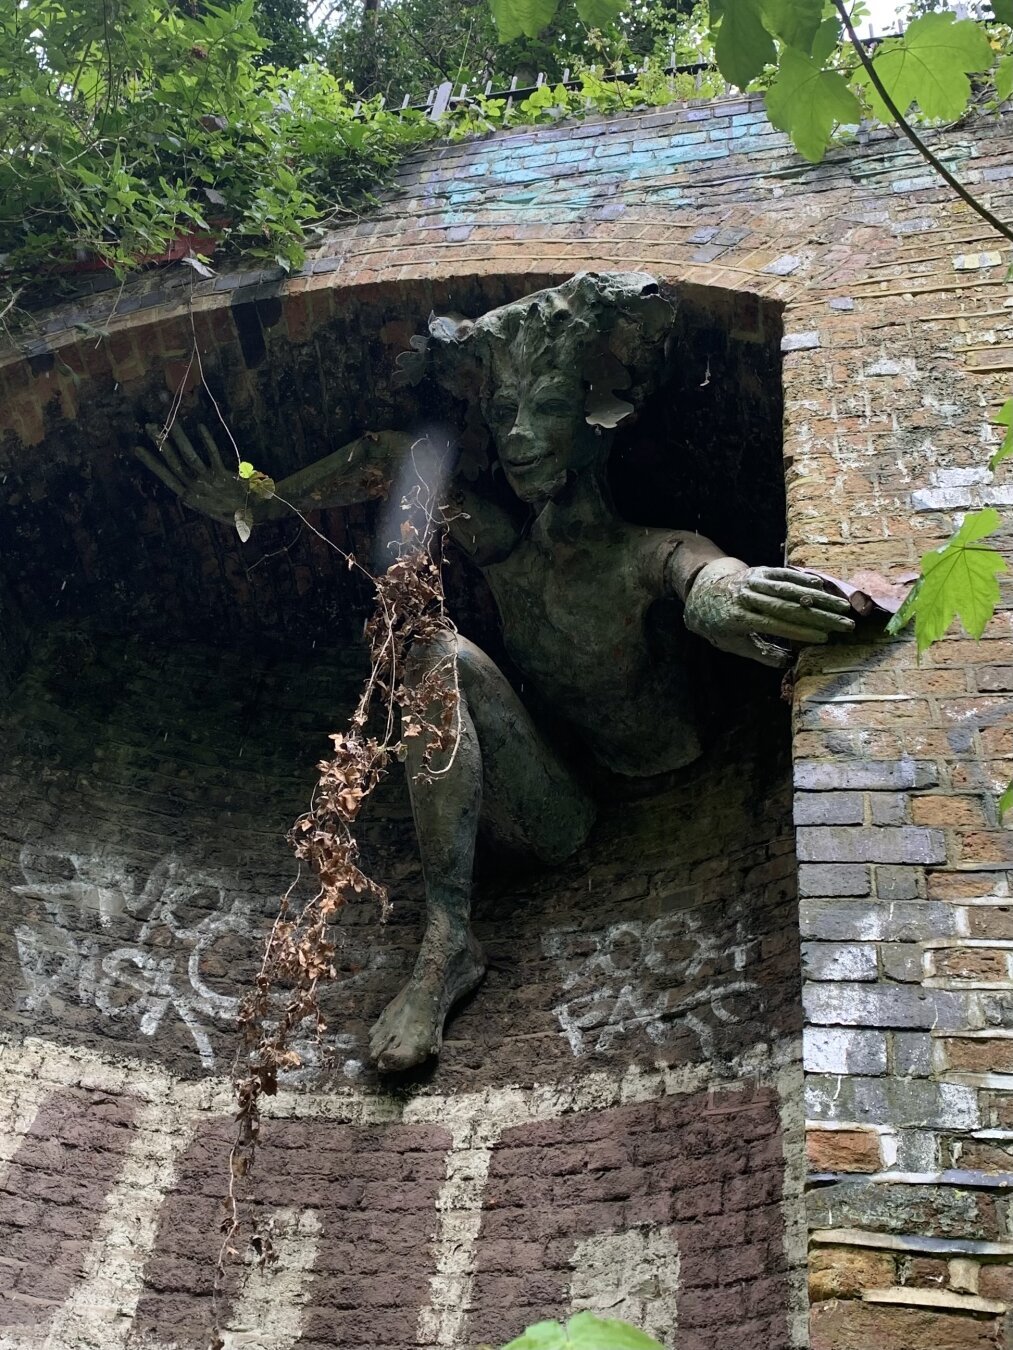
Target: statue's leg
<point x="501" y="770"/>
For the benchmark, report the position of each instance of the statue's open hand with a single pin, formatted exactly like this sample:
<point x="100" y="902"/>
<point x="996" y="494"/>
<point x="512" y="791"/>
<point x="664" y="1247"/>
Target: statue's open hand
<point x="782" y="602"/>
<point x="208" y="487"/>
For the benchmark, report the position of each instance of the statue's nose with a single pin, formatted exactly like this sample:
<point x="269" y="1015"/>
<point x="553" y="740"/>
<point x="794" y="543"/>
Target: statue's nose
<point x="520" y="441"/>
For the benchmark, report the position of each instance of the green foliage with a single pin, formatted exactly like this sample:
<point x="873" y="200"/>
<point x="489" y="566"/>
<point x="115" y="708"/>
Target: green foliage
<point x="1003" y="418"/>
<point x="584" y="1331"/>
<point x="128" y="124"/>
<point x="958" y="580"/>
<point x="808" y="102"/>
<point x="409" y="46"/>
<point x="929" y="66"/>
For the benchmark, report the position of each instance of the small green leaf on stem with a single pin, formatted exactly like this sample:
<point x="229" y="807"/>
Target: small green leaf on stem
<point x="1003" y="418"/>
<point x="1006" y="800"/>
<point x="244" y="524"/>
<point x="246" y="469"/>
<point x="958" y="580"/>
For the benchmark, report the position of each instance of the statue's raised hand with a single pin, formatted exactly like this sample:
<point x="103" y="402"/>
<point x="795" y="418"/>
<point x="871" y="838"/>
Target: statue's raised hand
<point x="739" y="608"/>
<point x="208" y="486"/>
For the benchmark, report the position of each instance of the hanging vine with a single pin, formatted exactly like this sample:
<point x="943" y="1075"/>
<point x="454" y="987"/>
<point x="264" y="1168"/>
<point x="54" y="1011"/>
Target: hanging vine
<point x="298" y="959"/>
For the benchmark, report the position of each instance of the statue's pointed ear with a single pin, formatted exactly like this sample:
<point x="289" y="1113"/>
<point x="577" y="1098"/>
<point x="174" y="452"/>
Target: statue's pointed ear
<point x="455" y="354"/>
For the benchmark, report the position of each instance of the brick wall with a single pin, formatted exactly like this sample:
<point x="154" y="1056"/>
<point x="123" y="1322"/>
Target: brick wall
<point x="897" y="344"/>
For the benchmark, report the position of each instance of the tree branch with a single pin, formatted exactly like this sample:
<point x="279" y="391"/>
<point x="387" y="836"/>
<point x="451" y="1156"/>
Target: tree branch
<point x="910" y="132"/>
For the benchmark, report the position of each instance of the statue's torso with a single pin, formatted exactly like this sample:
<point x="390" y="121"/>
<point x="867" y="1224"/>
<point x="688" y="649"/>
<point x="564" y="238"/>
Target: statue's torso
<point x="575" y="615"/>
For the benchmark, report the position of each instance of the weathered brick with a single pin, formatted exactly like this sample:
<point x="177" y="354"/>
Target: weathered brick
<point x="843" y="1150"/>
<point x="843" y="1050"/>
<point x="847" y="844"/>
<point x="853" y="1325"/>
<point x="902" y="1103"/>
<point x="971" y="963"/>
<point x="872" y="921"/>
<point x="897" y="883"/>
<point x="844" y="1272"/>
<point x="978" y="1054"/>
<point x="912" y="1053"/>
<point x="947" y="811"/>
<point x="886" y="808"/>
<point x="829" y="808"/>
<point x="848" y="879"/>
<point x="872" y="775"/>
<point x="839" y="960"/>
<point x="882" y="1005"/>
<point x="880" y="1207"/>
<point x="901" y="961"/>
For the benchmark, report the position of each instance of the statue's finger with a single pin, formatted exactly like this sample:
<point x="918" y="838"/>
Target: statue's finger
<point x="789" y="611"/>
<point x="791" y="574"/>
<point x="801" y="595"/>
<point x="166" y="452"/>
<point x="187" y="452"/>
<point x="159" y="469"/>
<point x="211" y="446"/>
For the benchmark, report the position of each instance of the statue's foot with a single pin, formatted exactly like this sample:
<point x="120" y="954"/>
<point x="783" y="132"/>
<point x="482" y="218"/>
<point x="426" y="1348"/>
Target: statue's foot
<point x="410" y="1028"/>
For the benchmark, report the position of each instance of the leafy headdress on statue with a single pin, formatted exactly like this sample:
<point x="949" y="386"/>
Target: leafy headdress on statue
<point x="605" y="332"/>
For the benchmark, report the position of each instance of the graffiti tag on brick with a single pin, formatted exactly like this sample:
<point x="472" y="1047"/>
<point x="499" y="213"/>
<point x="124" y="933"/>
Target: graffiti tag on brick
<point x="639" y="978"/>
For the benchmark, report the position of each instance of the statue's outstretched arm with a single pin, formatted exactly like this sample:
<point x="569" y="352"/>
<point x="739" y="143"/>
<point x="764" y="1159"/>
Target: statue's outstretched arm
<point x="743" y="609"/>
<point x="358" y="472"/>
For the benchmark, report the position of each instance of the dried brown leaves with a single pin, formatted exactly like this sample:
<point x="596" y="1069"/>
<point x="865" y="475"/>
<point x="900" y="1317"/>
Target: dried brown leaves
<point x="299" y="954"/>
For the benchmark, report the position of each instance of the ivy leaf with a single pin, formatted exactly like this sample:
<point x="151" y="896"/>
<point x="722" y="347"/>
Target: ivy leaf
<point x="1006" y="800"/>
<point x="743" y="46"/>
<point x="929" y="66"/>
<point x="599" y="13"/>
<point x="808" y="102"/>
<point x="958" y="580"/>
<point x="521" y="18"/>
<point x="585" y="1331"/>
<point x="244" y="524"/>
<point x="246" y="469"/>
<point x="1004" y="76"/>
<point x="1003" y="418"/>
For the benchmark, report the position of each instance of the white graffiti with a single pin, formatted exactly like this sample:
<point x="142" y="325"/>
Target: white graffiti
<point x="632" y="1276"/>
<point x="645" y="978"/>
<point x="89" y="901"/>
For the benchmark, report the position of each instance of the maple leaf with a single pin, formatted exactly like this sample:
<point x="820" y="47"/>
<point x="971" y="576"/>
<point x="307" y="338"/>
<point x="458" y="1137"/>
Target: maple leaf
<point x="808" y="102"/>
<point x="958" y="580"/>
<point x="930" y="65"/>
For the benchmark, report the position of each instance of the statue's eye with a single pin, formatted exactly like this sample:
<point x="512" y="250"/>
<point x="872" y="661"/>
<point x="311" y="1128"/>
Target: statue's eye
<point x="554" y="407"/>
<point x="503" y="411"/>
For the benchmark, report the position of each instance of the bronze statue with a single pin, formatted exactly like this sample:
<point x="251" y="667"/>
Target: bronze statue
<point x="553" y="375"/>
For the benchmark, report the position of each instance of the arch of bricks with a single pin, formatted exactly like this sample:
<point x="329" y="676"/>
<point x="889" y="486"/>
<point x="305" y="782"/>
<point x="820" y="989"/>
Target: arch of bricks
<point x="626" y="1115"/>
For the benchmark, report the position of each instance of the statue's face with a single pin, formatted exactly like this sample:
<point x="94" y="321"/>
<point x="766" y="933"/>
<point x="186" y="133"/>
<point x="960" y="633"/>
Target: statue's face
<point x="537" y="422"/>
